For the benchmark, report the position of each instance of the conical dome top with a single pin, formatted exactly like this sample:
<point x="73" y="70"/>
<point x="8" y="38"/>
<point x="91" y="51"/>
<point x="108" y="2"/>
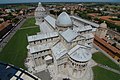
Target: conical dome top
<point x="64" y="20"/>
<point x="39" y="4"/>
<point x="40" y="8"/>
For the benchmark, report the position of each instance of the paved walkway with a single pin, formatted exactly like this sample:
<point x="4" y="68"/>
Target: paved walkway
<point x="109" y="68"/>
<point x="29" y="27"/>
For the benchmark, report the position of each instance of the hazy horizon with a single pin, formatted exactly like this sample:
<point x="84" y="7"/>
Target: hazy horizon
<point x="27" y="1"/>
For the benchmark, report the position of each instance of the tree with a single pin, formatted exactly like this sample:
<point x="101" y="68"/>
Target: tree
<point x="118" y="16"/>
<point x="15" y="20"/>
<point x="1" y="13"/>
<point x="9" y="17"/>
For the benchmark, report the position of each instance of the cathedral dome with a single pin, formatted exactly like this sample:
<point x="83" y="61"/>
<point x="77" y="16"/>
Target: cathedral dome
<point x="63" y="20"/>
<point x="103" y="25"/>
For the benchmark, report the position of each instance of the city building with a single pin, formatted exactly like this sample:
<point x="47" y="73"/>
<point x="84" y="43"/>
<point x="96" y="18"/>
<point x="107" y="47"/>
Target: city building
<point x="63" y="47"/>
<point x="104" y="39"/>
<point x="5" y="27"/>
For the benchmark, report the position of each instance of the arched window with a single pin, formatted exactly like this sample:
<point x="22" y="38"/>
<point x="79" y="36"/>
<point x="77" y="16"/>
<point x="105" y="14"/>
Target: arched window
<point x="42" y="57"/>
<point x="65" y="65"/>
<point x="73" y="64"/>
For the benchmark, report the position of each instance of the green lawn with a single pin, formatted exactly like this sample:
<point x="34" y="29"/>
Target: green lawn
<point x="103" y="74"/>
<point x="102" y="59"/>
<point x="29" y="22"/>
<point x="15" y="51"/>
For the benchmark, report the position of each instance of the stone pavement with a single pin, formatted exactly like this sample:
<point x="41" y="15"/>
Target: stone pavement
<point x="43" y="75"/>
<point x="29" y="27"/>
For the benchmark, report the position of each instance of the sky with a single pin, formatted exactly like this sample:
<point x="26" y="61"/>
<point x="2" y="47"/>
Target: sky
<point x="22" y="1"/>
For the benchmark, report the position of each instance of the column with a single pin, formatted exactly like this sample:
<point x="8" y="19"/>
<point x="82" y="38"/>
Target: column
<point x="35" y="62"/>
<point x="41" y="60"/>
<point x="59" y="69"/>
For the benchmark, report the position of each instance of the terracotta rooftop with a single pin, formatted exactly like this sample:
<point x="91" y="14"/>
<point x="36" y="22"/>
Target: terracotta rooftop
<point x="4" y="24"/>
<point x="107" y="45"/>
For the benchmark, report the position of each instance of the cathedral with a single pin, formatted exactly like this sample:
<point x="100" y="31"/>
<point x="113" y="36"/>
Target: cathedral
<point x="63" y="46"/>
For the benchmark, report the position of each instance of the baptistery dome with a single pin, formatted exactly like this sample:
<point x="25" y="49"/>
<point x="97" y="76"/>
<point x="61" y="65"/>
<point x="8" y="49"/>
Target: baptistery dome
<point x="40" y="8"/>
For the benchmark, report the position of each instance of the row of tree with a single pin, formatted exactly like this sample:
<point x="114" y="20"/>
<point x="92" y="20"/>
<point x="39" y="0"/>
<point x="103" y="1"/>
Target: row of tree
<point x="110" y="25"/>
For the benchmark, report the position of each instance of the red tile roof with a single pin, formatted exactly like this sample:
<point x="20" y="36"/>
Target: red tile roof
<point x="4" y="24"/>
<point x="107" y="45"/>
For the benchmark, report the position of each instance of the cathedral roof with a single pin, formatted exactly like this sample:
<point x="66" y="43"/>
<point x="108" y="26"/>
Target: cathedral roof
<point x="42" y="36"/>
<point x="85" y="21"/>
<point x="82" y="28"/>
<point x="59" y="50"/>
<point x="64" y="20"/>
<point x="69" y="35"/>
<point x="38" y="48"/>
<point x="45" y="28"/>
<point x="51" y="21"/>
<point x="80" y="53"/>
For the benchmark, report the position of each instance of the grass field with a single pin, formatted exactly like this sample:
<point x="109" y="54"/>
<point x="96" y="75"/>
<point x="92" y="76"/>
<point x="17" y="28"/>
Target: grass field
<point x="102" y="59"/>
<point x="15" y="51"/>
<point x="29" y="22"/>
<point x="103" y="74"/>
